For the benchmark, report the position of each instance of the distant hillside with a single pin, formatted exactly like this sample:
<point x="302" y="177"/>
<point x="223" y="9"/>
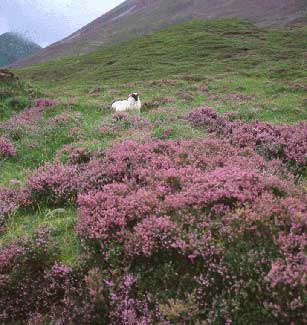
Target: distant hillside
<point x="14" y="47"/>
<point x="138" y="17"/>
<point x="198" y="46"/>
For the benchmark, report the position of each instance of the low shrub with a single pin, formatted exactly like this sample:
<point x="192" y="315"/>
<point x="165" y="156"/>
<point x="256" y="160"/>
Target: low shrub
<point x="28" y="118"/>
<point x="120" y="122"/>
<point x="207" y="212"/>
<point x="17" y="103"/>
<point x="10" y="201"/>
<point x="285" y="142"/>
<point x="53" y="184"/>
<point x="7" y="149"/>
<point x="171" y="231"/>
<point x="22" y="276"/>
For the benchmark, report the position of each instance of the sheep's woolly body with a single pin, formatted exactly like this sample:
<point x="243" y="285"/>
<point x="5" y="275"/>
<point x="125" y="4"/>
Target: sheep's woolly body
<point x="126" y="105"/>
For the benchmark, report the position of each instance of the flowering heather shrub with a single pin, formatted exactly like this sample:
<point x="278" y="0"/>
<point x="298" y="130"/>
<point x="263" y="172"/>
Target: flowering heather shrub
<point x="165" y="115"/>
<point x="123" y="121"/>
<point x="66" y="117"/>
<point x="74" y="154"/>
<point x="177" y="200"/>
<point x="127" y="309"/>
<point x="92" y="176"/>
<point x="44" y="102"/>
<point x="7" y="149"/>
<point x="34" y="288"/>
<point x="206" y="116"/>
<point x="8" y="255"/>
<point x="126" y="120"/>
<point x="10" y="201"/>
<point x="79" y="155"/>
<point x="230" y="225"/>
<point x="98" y="300"/>
<point x="54" y="184"/>
<point x="172" y="176"/>
<point x="158" y="101"/>
<point x="26" y="248"/>
<point x="150" y="235"/>
<point x="8" y="204"/>
<point x="28" y="118"/>
<point x="288" y="275"/>
<point x="59" y="183"/>
<point x="22" y="274"/>
<point x="285" y="142"/>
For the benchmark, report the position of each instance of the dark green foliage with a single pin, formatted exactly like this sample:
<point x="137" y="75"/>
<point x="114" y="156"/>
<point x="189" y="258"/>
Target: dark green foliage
<point x="14" y="47"/>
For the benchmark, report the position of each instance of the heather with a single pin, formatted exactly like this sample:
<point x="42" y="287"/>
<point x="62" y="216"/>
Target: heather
<point x="192" y="212"/>
<point x="231" y="223"/>
<point x="7" y="149"/>
<point x="123" y="124"/>
<point x="27" y="119"/>
<point x="285" y="142"/>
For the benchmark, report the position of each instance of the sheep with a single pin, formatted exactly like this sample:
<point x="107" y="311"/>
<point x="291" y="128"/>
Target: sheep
<point x="132" y="103"/>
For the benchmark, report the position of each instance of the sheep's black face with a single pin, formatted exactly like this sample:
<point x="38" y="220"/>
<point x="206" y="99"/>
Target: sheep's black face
<point x="135" y="96"/>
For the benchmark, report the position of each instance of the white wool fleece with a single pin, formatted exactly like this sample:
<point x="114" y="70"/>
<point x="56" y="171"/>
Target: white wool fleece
<point x="132" y="103"/>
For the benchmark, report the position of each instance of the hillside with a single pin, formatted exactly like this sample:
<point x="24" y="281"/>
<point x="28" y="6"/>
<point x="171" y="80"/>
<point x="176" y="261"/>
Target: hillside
<point x="14" y="47"/>
<point x="138" y="17"/>
<point x="101" y="213"/>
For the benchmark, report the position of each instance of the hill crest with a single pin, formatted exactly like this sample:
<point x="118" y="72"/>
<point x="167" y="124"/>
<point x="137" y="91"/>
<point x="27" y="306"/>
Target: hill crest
<point x="133" y="18"/>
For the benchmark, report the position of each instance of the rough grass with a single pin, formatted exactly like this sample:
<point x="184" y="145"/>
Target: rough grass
<point x="228" y="64"/>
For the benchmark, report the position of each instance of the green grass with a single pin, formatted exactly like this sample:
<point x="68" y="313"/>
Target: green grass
<point x="62" y="221"/>
<point x="13" y="98"/>
<point x="226" y="55"/>
<point x="194" y="64"/>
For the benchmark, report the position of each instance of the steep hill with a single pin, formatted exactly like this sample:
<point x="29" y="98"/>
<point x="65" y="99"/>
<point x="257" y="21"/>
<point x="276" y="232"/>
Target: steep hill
<point x="139" y="17"/>
<point x="14" y="47"/>
<point x="194" y="47"/>
<point x="101" y="212"/>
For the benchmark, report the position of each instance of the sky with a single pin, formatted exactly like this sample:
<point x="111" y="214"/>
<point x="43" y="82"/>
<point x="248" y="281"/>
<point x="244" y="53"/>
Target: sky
<point x="48" y="21"/>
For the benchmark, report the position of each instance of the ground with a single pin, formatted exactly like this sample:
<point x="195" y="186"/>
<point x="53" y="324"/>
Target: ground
<point x="228" y="65"/>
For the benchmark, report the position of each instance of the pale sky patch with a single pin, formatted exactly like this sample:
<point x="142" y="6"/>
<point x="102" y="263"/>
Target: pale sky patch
<point x="48" y="21"/>
<point x="4" y="26"/>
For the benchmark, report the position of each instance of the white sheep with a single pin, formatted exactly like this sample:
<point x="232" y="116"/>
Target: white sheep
<point x="132" y="103"/>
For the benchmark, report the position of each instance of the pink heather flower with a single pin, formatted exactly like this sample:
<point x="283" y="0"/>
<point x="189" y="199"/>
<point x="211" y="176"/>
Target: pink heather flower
<point x="6" y="148"/>
<point x="30" y="116"/>
<point x="218" y="215"/>
<point x="286" y="142"/>
<point x="56" y="182"/>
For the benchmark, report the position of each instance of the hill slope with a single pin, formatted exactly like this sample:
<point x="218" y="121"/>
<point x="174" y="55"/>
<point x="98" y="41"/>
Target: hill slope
<point x="14" y="47"/>
<point x="196" y="47"/>
<point x="96" y="229"/>
<point x="139" y="17"/>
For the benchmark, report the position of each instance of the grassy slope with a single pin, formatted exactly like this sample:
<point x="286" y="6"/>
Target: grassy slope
<point x="138" y="17"/>
<point x="229" y="55"/>
<point x="196" y="63"/>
